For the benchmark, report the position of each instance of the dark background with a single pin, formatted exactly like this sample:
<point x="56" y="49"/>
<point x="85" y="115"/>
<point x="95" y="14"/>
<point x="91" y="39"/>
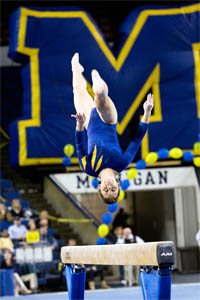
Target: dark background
<point x="108" y="14"/>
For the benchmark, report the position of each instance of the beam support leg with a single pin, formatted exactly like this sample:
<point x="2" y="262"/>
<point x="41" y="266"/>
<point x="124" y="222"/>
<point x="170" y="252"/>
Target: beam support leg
<point x="156" y="284"/>
<point x="75" y="279"/>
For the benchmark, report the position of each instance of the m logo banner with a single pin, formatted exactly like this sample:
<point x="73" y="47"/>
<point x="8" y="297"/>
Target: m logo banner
<point x="158" y="51"/>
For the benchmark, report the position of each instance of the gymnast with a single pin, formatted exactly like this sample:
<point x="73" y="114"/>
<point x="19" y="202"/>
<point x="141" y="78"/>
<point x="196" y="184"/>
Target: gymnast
<point x="97" y="146"/>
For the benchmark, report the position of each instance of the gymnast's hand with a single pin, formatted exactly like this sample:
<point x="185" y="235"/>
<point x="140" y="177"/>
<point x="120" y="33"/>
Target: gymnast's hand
<point x="80" y="121"/>
<point x="148" y="104"/>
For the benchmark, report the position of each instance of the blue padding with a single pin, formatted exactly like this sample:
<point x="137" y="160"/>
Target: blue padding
<point x="13" y="195"/>
<point x="4" y="195"/>
<point x="155" y="286"/>
<point x="46" y="267"/>
<point x="5" y="184"/>
<point x="42" y="281"/>
<point x="5" y="224"/>
<point x="6" y="283"/>
<point x="75" y="278"/>
<point x="24" y="204"/>
<point x="8" y="203"/>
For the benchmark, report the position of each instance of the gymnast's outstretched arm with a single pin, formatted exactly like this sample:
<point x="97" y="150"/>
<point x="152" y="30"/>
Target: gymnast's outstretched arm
<point x="142" y="129"/>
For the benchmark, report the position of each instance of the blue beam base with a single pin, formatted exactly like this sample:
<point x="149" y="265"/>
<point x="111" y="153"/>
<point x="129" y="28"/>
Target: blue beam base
<point x="75" y="279"/>
<point x="156" y="284"/>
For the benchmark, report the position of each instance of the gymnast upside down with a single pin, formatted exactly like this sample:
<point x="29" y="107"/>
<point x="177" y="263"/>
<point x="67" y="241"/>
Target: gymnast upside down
<point x="98" y="148"/>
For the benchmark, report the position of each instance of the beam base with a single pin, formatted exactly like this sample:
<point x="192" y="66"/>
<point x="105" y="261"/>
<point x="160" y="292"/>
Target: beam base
<point x="75" y="279"/>
<point x="156" y="284"/>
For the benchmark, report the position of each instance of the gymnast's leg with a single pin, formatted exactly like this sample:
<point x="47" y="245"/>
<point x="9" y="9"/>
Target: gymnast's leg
<point x="83" y="102"/>
<point x="104" y="104"/>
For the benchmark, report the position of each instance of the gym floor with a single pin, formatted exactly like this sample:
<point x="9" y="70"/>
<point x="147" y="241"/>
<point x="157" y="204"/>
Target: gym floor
<point x="189" y="291"/>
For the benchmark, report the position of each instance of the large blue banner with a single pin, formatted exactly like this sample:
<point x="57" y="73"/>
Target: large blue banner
<point x="158" y="50"/>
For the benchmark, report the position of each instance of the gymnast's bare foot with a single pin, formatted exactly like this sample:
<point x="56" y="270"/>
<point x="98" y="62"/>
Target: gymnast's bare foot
<point x="99" y="86"/>
<point x="78" y="80"/>
<point x="76" y="66"/>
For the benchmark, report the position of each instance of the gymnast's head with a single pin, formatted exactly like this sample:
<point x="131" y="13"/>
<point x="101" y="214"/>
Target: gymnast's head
<point x="109" y="189"/>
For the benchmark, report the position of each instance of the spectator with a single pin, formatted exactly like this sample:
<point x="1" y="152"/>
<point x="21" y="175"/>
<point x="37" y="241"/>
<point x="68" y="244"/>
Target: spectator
<point x="32" y="225"/>
<point x="5" y="215"/>
<point x="8" y="262"/>
<point x="29" y="213"/>
<point x="17" y="232"/>
<point x="5" y="241"/>
<point x="121" y="218"/>
<point x="44" y="222"/>
<point x="91" y="272"/>
<point x="129" y="237"/>
<point x="131" y="272"/>
<point x="47" y="238"/>
<point x="16" y="209"/>
<point x="44" y="215"/>
<point x="118" y="233"/>
<point x="28" y="273"/>
<point x="72" y="242"/>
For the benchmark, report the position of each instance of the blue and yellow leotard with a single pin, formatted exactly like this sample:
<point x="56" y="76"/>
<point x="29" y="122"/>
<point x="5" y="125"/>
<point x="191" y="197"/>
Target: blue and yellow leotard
<point x="98" y="147"/>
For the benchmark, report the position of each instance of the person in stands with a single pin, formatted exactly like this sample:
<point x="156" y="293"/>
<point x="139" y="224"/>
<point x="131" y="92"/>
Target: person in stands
<point x="5" y="241"/>
<point x="8" y="262"/>
<point x="5" y="215"/>
<point x="17" y="232"/>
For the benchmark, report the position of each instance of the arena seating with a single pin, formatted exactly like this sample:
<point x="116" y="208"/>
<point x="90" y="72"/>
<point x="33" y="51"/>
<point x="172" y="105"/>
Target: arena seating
<point x="46" y="271"/>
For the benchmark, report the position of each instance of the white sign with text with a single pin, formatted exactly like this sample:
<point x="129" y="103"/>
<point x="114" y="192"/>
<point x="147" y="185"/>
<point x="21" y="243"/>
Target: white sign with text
<point x="147" y="179"/>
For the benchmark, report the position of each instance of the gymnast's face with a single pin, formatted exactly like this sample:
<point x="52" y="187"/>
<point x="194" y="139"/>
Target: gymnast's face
<point x="109" y="190"/>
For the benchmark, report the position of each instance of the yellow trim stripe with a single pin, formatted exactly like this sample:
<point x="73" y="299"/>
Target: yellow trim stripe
<point x="99" y="163"/>
<point x="196" y="53"/>
<point x="116" y="63"/>
<point x="152" y="81"/>
<point x="67" y="220"/>
<point x="83" y="160"/>
<point x="94" y="154"/>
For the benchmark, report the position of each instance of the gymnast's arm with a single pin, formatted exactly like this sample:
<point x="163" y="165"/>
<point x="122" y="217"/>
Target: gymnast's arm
<point x="141" y="131"/>
<point x="134" y="146"/>
<point x="80" y="136"/>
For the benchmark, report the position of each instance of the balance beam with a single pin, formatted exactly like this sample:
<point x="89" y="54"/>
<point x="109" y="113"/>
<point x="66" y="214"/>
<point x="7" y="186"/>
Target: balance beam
<point x="144" y="254"/>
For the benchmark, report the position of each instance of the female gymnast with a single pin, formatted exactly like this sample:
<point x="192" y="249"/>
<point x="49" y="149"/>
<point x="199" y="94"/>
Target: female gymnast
<point x="98" y="148"/>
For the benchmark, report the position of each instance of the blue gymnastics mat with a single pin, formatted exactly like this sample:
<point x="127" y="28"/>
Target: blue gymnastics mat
<point x="189" y="291"/>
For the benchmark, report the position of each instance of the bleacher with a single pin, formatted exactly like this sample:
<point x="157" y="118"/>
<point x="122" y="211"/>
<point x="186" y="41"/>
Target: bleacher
<point x="45" y="261"/>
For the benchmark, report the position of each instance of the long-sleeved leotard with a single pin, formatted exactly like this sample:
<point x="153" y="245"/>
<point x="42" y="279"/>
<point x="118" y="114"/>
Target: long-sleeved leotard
<point x="98" y="147"/>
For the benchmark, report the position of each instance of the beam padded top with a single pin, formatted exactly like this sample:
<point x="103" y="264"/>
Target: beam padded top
<point x="144" y="254"/>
